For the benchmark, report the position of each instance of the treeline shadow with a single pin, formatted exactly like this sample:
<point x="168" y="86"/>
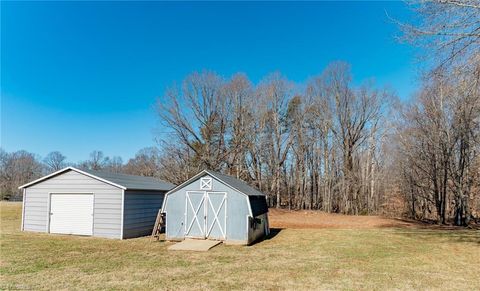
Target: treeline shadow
<point x="432" y="230"/>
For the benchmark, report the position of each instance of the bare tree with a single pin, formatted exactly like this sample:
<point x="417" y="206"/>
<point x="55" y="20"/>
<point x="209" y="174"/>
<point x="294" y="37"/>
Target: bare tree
<point x="275" y="92"/>
<point x="196" y="116"/>
<point x="451" y="28"/>
<point x="427" y="147"/>
<point x="114" y="165"/>
<point x="145" y="163"/>
<point x="465" y="144"/>
<point x="17" y="168"/>
<point x="356" y="113"/>
<point x="54" y="161"/>
<point x="323" y="163"/>
<point x="239" y="92"/>
<point x="96" y="162"/>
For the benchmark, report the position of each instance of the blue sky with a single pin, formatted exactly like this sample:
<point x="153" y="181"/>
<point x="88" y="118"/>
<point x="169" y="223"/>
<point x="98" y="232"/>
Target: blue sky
<point x="78" y="77"/>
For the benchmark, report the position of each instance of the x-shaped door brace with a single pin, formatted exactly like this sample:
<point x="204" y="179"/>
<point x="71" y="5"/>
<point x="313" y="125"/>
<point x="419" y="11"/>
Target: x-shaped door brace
<point x="195" y="213"/>
<point x="215" y="218"/>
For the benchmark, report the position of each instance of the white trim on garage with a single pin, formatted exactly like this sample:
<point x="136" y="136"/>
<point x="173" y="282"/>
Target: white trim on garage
<point x="23" y="209"/>
<point x="71" y="169"/>
<point x="122" y="217"/>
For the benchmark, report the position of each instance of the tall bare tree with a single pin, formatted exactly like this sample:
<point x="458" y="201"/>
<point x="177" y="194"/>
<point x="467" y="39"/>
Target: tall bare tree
<point x="274" y="92"/>
<point x="113" y="164"/>
<point x="54" y="161"/>
<point x="145" y="163"/>
<point x="356" y="113"/>
<point x="97" y="161"/>
<point x="196" y="116"/>
<point x="449" y="28"/>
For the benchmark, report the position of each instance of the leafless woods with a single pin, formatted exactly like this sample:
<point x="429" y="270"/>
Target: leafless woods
<point x="439" y="138"/>
<point x="319" y="148"/>
<point x="334" y="146"/>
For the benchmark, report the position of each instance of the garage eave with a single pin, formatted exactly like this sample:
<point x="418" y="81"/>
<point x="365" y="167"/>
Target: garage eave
<point x="71" y="169"/>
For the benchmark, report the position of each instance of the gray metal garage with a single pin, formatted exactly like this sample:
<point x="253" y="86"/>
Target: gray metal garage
<point x="80" y="202"/>
<point x="214" y="206"/>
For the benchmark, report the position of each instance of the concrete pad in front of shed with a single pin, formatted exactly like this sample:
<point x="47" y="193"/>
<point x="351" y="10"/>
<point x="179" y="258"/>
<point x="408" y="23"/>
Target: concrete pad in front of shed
<point x="194" y="245"/>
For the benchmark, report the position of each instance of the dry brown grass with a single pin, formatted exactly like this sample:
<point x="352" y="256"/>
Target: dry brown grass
<point x="283" y="218"/>
<point x="374" y="258"/>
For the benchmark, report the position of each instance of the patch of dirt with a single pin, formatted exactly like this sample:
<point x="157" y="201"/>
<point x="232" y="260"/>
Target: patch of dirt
<point x="282" y="218"/>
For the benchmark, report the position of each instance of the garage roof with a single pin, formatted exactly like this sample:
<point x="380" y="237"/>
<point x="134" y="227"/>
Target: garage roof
<point x="123" y="181"/>
<point x="133" y="182"/>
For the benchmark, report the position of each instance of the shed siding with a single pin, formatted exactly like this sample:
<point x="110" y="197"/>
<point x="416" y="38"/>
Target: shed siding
<point x="140" y="211"/>
<point x="237" y="211"/>
<point x="175" y="209"/>
<point x="107" y="203"/>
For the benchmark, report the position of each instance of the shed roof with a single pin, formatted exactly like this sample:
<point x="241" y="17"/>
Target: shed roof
<point x="236" y="184"/>
<point x="230" y="181"/>
<point x="123" y="181"/>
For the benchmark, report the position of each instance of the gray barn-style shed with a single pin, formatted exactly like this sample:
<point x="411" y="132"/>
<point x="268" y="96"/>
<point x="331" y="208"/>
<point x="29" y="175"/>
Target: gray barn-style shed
<point x="214" y="206"/>
<point x="101" y="204"/>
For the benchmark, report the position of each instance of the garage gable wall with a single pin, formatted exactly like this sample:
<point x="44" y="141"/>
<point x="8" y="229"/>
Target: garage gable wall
<point x="107" y="203"/>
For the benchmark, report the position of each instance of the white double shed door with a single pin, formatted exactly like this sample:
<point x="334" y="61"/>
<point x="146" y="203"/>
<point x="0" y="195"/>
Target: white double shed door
<point x="71" y="213"/>
<point x="206" y="215"/>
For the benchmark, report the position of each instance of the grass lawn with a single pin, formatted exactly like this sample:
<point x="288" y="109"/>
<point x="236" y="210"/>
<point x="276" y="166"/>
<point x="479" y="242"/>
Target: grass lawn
<point x="381" y="258"/>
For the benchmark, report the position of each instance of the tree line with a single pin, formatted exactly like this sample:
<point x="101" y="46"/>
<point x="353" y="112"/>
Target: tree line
<point x="438" y="133"/>
<point x="319" y="148"/>
<point x="332" y="145"/>
<point x="20" y="167"/>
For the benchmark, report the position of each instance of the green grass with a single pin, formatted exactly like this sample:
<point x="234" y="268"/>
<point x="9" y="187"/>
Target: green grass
<point x="366" y="259"/>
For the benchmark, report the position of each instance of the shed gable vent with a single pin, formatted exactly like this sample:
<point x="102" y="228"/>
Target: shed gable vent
<point x="206" y="183"/>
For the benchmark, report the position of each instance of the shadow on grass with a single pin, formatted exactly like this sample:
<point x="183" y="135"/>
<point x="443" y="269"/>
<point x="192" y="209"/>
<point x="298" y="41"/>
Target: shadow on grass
<point x="432" y="230"/>
<point x="427" y="224"/>
<point x="444" y="234"/>
<point x="273" y="233"/>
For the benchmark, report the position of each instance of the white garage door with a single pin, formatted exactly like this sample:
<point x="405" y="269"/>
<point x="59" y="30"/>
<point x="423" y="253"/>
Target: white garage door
<point x="71" y="214"/>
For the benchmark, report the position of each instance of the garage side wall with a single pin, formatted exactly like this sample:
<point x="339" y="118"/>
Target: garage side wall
<point x="140" y="211"/>
<point x="107" y="203"/>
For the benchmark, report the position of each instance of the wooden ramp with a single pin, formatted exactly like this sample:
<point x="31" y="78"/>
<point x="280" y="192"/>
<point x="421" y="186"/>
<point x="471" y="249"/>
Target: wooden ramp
<point x="194" y="245"/>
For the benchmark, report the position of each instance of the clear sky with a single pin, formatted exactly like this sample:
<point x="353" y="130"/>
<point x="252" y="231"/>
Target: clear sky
<point x="78" y="77"/>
